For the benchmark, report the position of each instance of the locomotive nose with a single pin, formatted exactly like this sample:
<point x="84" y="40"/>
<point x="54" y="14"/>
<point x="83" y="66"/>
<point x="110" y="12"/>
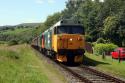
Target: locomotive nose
<point x="70" y="42"/>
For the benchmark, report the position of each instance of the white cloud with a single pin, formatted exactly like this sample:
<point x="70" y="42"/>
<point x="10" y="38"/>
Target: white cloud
<point x="51" y="1"/>
<point x="45" y="1"/>
<point x="39" y="1"/>
<point x="99" y="0"/>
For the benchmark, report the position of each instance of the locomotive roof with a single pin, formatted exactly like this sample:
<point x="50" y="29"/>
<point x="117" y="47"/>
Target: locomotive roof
<point x="64" y="22"/>
<point x="67" y="22"/>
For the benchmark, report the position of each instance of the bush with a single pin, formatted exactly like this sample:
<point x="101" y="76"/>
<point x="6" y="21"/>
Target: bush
<point x="12" y="42"/>
<point x="101" y="40"/>
<point x="88" y="38"/>
<point x="94" y="43"/>
<point x="2" y="42"/>
<point x="99" y="49"/>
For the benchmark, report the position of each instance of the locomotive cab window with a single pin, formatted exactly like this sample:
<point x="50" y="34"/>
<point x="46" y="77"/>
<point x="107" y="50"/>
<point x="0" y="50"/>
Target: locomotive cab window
<point x="70" y="30"/>
<point x="55" y="30"/>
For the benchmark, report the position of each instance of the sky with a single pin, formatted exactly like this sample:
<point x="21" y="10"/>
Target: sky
<point x="13" y="12"/>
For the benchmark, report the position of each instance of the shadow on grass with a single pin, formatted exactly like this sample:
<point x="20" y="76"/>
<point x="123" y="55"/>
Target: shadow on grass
<point x="121" y="60"/>
<point x="90" y="62"/>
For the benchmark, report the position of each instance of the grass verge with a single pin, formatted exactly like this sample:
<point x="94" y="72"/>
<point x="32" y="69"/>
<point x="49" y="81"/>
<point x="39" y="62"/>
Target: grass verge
<point x="19" y="64"/>
<point x="108" y="64"/>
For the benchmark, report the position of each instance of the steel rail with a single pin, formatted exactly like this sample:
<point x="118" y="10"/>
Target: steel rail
<point x="101" y="74"/>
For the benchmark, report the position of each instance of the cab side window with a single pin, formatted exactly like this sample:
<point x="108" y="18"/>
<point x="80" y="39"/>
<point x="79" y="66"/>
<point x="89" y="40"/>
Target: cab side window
<point x="55" y="30"/>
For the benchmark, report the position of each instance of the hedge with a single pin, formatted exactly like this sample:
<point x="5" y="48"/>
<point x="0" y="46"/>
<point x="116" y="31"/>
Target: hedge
<point x="99" y="49"/>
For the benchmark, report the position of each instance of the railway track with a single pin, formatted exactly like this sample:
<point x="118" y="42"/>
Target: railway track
<point x="89" y="75"/>
<point x="84" y="74"/>
<point x="102" y="76"/>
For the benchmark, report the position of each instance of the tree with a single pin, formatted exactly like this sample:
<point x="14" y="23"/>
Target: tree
<point x="52" y="19"/>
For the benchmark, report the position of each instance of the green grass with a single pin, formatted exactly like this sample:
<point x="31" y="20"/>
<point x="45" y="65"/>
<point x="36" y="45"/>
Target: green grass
<point x="19" y="64"/>
<point x="108" y="64"/>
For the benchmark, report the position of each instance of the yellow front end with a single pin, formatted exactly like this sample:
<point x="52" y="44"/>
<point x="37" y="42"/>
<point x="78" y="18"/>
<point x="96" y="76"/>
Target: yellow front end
<point x="69" y="47"/>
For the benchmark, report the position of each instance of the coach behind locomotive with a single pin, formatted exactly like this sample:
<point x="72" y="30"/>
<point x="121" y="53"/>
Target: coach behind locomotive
<point x="64" y="41"/>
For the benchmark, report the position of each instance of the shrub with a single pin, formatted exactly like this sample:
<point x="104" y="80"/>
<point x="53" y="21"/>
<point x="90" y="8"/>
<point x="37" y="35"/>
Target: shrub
<point x="2" y="42"/>
<point x="88" y="38"/>
<point x="94" y="43"/>
<point x="101" y="40"/>
<point x="12" y="42"/>
<point x="101" y="48"/>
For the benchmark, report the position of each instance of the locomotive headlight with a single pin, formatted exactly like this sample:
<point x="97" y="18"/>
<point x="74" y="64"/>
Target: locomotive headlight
<point x="70" y="39"/>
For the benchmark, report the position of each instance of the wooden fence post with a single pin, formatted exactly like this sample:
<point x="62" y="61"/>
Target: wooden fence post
<point x="103" y="55"/>
<point x="119" y="57"/>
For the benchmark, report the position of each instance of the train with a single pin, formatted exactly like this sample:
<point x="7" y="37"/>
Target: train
<point x="63" y="42"/>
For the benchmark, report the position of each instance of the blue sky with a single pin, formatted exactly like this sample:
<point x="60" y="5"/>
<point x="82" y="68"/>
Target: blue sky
<point x="14" y="12"/>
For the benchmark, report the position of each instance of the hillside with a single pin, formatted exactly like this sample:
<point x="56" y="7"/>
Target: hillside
<point x="22" y="24"/>
<point x="30" y="24"/>
<point x="22" y="33"/>
<point x="15" y="31"/>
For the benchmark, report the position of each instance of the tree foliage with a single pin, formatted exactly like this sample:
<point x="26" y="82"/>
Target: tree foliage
<point x="104" y="20"/>
<point x="100" y="19"/>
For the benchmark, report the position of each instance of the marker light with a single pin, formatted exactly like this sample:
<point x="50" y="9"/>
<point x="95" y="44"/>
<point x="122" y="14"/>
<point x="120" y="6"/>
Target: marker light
<point x="79" y="39"/>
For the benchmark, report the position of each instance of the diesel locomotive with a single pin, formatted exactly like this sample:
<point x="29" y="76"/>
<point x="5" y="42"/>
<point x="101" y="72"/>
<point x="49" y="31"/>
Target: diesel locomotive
<point x="64" y="41"/>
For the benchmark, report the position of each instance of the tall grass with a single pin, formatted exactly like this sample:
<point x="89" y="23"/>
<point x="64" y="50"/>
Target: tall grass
<point x="9" y="53"/>
<point x="20" y="66"/>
